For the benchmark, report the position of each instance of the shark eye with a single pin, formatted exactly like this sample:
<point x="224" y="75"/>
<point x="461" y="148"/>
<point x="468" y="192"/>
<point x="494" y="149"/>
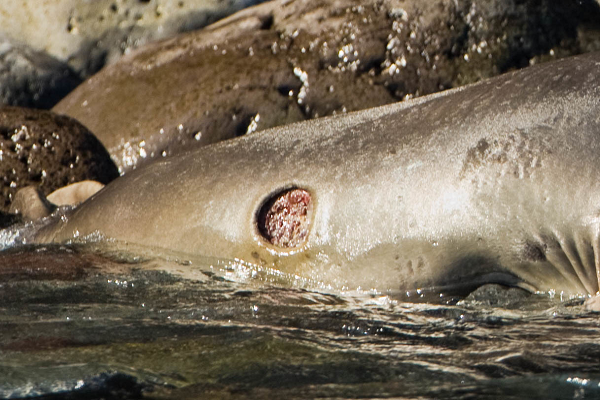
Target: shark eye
<point x="284" y="219"/>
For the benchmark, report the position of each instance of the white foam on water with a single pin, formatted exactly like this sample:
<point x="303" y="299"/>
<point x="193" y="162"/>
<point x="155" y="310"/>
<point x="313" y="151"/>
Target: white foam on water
<point x="24" y="232"/>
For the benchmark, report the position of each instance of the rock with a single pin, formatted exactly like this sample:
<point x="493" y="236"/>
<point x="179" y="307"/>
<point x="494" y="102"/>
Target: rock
<point x="75" y="193"/>
<point x="53" y="263"/>
<point x="7" y="219"/>
<point x="286" y="61"/>
<point x="86" y="34"/>
<point x="493" y="295"/>
<point x="31" y="204"/>
<point x="593" y="303"/>
<point x="48" y="151"/>
<point x="30" y="78"/>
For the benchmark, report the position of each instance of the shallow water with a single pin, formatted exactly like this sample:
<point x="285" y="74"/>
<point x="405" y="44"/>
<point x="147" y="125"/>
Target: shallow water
<point x="78" y="323"/>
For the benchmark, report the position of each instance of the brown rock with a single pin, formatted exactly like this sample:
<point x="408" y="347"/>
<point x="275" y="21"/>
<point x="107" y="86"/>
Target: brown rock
<point x="30" y="204"/>
<point x="54" y="263"/>
<point x="286" y="61"/>
<point x="75" y="193"/>
<point x="49" y="151"/>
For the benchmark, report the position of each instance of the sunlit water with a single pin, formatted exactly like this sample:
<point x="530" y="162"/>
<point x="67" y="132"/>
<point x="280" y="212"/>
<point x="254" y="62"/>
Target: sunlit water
<point x="79" y="323"/>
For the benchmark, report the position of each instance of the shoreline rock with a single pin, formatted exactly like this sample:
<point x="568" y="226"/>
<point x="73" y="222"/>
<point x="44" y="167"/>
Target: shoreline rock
<point x="286" y="61"/>
<point x="39" y="148"/>
<point x="30" y="78"/>
<point x="88" y="34"/>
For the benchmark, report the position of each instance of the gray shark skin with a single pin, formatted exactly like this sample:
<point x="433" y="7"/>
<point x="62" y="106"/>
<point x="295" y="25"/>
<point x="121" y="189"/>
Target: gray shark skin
<point x="497" y="182"/>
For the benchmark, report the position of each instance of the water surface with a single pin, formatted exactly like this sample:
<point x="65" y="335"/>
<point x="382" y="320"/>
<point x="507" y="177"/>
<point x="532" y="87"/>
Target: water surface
<point x="77" y="323"/>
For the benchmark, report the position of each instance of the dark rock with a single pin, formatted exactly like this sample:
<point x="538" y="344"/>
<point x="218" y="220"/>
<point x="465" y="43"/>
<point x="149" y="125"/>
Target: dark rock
<point x="286" y="61"/>
<point x="47" y="150"/>
<point x="32" y="79"/>
<point x="493" y="295"/>
<point x="7" y="219"/>
<point x="73" y="382"/>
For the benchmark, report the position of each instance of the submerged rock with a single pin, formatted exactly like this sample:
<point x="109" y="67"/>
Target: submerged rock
<point x="87" y="34"/>
<point x="74" y="382"/>
<point x="493" y="295"/>
<point x="285" y="61"/>
<point x="31" y="78"/>
<point x="48" y="151"/>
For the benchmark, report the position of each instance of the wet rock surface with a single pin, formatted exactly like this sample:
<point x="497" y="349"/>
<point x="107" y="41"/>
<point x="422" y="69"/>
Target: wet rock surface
<point x="286" y="61"/>
<point x="49" y="151"/>
<point x="87" y="34"/>
<point x="30" y="78"/>
<point x="54" y="263"/>
<point x="493" y="295"/>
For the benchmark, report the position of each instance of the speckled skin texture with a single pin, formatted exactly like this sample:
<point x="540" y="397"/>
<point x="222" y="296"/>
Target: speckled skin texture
<point x="492" y="183"/>
<point x="287" y="61"/>
<point x="49" y="151"/>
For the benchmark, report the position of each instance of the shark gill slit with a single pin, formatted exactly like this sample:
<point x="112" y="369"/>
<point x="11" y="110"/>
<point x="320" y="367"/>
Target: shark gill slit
<point x="596" y="245"/>
<point x="559" y="260"/>
<point x="585" y="250"/>
<point x="573" y="255"/>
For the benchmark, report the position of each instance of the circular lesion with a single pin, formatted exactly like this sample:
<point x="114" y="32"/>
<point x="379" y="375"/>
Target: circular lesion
<point x="284" y="219"/>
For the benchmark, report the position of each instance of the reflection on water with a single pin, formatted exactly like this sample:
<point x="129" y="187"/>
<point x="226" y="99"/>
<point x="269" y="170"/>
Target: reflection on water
<point x="80" y="324"/>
